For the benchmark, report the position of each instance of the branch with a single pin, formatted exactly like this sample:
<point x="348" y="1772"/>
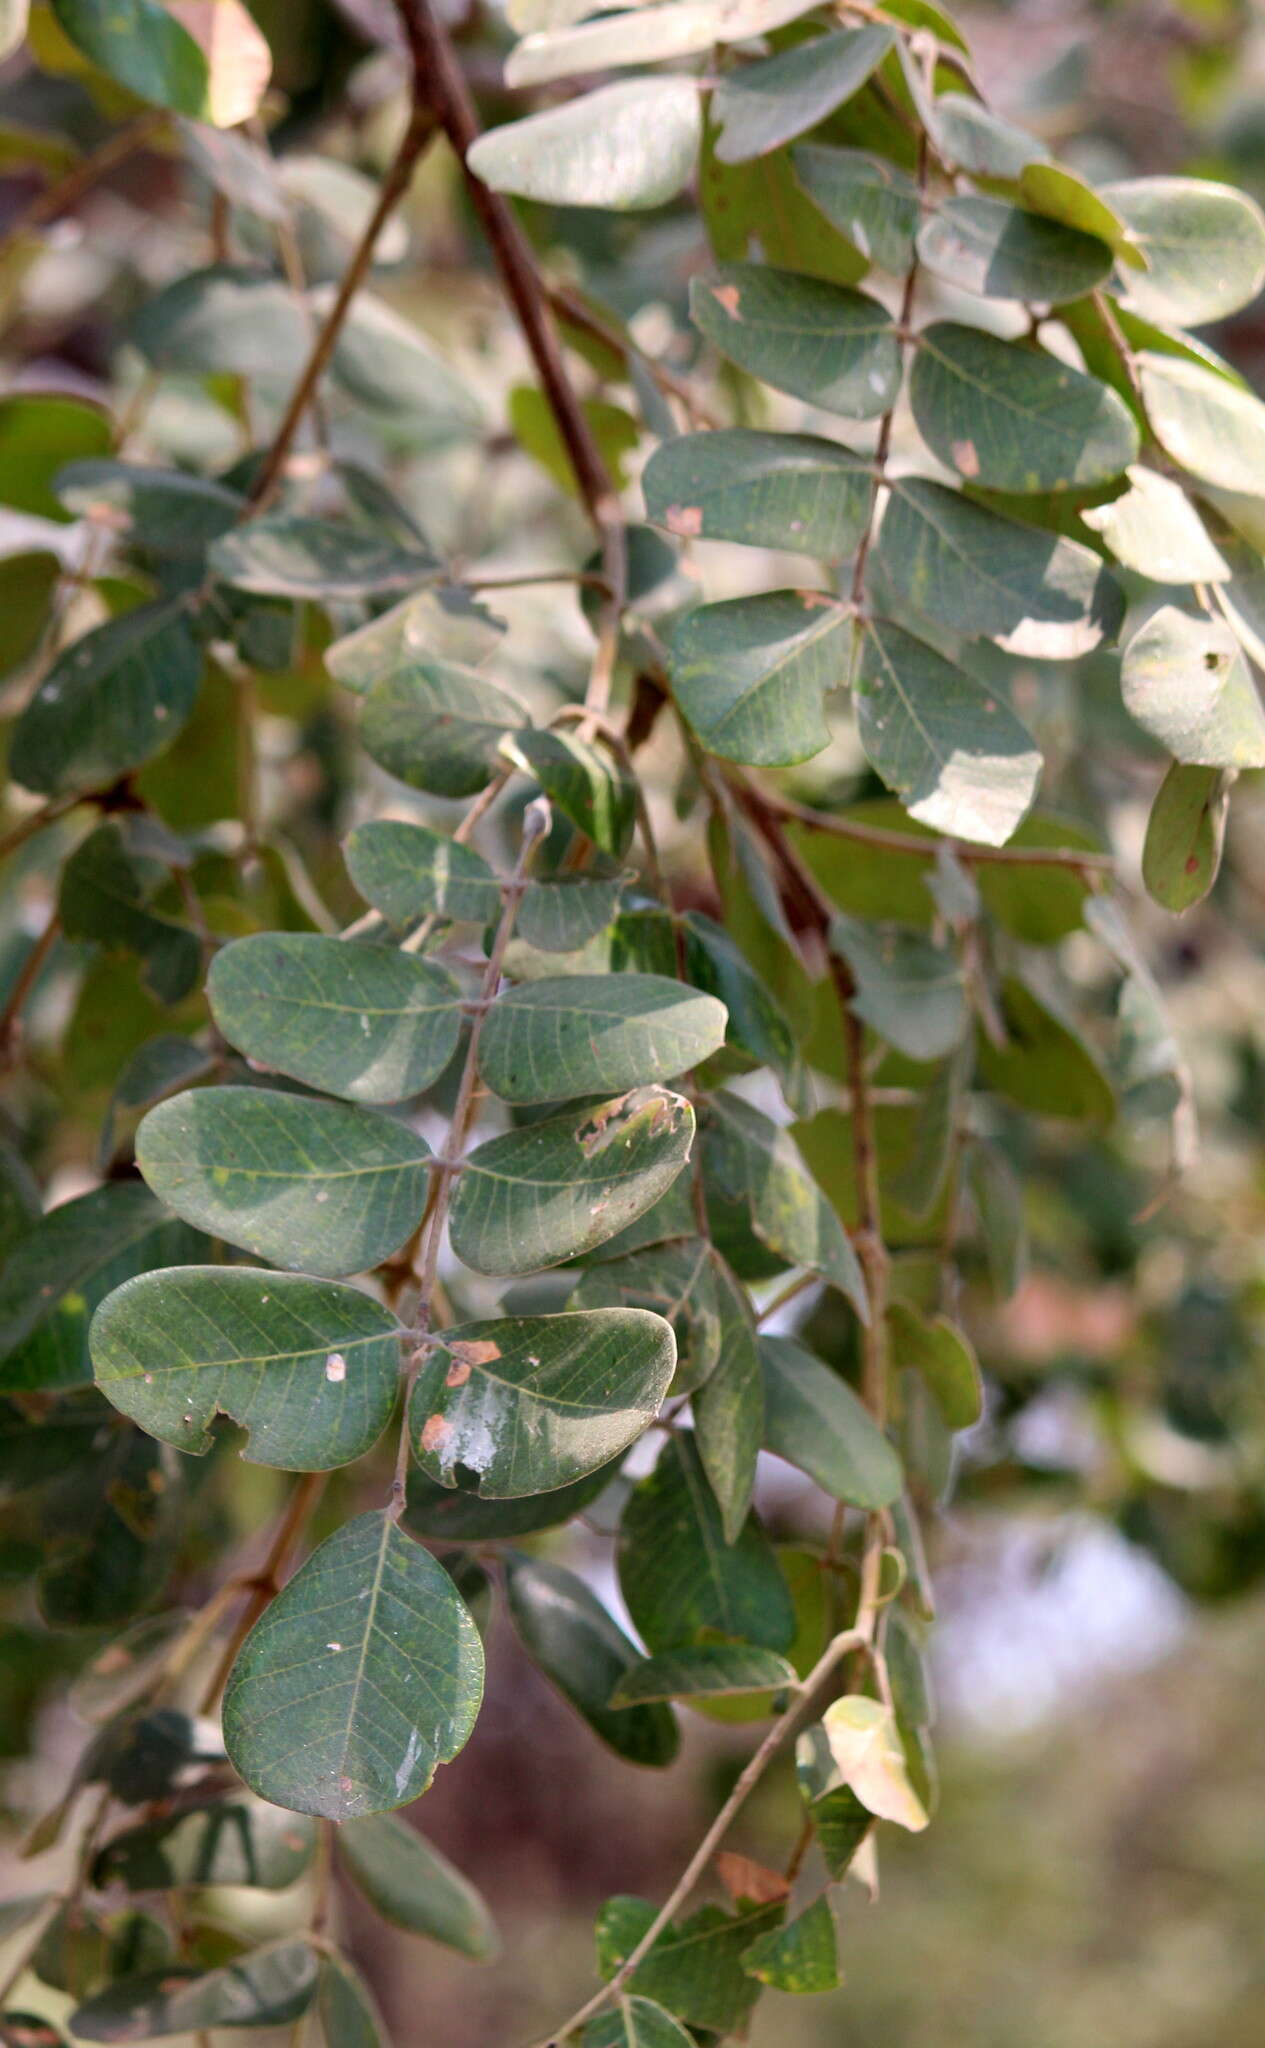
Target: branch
<point x="440" y="86"/>
<point x="290" y="1526"/>
<point x="887" y="841"/>
<point x="57" y="199"/>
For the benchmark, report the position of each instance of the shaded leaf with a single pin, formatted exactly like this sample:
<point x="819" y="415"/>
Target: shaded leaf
<point x="1003" y="252"/>
<point x="815" y="1421"/>
<point x="528" y="1403"/>
<point x="1044" y="1065"/>
<point x="821" y="342"/>
<point x="1186" y="681"/>
<point x="283" y="555"/>
<point x="364" y="1674"/>
<point x="676" y="1280"/>
<point x="140" y="45"/>
<point x="110" y="1527"/>
<point x="638" y="38"/>
<point x="978" y="141"/>
<point x="752" y="1163"/>
<point x="309" y="1368"/>
<point x="868" y="1757"/>
<point x="349" y="2018"/>
<point x="265" y="1987"/>
<point x="103" y="898"/>
<point x="583" y="780"/>
<point x="869" y="200"/>
<point x="110" y="702"/>
<point x="729" y="1406"/>
<point x="167" y="512"/>
<point x="409" y="872"/>
<point x="1058" y="193"/>
<point x="552" y="1191"/>
<point x="635" y="2023"/>
<point x="588" y="1034"/>
<point x="625" y="147"/>
<point x="802" y="1956"/>
<point x="695" y="1968"/>
<point x="1184" y="836"/>
<point x="231" y="1841"/>
<point x="1204" y="244"/>
<point x="441" y="623"/>
<point x="683" y="1584"/>
<point x="365" y="1022"/>
<point x="908" y="990"/>
<point x="409" y="392"/>
<point x="437" y="727"/>
<point x="709" y="1671"/>
<point x="1012" y="418"/>
<point x="760" y="106"/>
<point x="322" y="1185"/>
<point x="226" y="318"/>
<point x="563" y="913"/>
<point x="757" y="1023"/>
<point x="940" y="1353"/>
<point x="955" y="754"/>
<point x="765" y="490"/>
<point x="413" y="1886"/>
<point x="461" y="1515"/>
<point x="999" y="1205"/>
<point x="963" y="565"/>
<point x="750" y="673"/>
<point x="583" y="1652"/>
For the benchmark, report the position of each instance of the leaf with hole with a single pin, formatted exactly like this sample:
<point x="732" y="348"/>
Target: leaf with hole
<point x="528" y="1403"/>
<point x="592" y="1034"/>
<point x="437" y="727"/>
<point x="956" y="755"/>
<point x="1012" y="418"/>
<point x="750" y="673"/>
<point x="682" y="1583"/>
<point x="584" y="1653"/>
<point x="364" y="1674"/>
<point x="367" y="1023"/>
<point x="310" y="1369"/>
<point x="1185" y="679"/>
<point x="110" y="702"/>
<point x="624" y="147"/>
<point x="325" y="1186"/>
<point x="815" y="1421"/>
<point x="757" y="107"/>
<point x="834" y="347"/>
<point x="765" y="490"/>
<point x="552" y="1191"/>
<point x="413" y="1886"/>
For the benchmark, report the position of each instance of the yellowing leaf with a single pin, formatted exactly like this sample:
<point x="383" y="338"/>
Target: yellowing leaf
<point x="867" y="1754"/>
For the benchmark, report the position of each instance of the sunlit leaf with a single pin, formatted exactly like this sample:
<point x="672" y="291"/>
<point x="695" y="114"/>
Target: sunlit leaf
<point x="695" y="1967"/>
<point x="231" y="1841"/>
<point x="1204" y="244"/>
<point x="583" y="779"/>
<point x="409" y="872"/>
<point x="870" y="201"/>
<point x="868" y="1757"/>
<point x="438" y="727"/>
<point x="1154" y="529"/>
<point x="639" y="38"/>
<point x="1184" y="836"/>
<point x="800" y="1957"/>
<point x="1186" y="681"/>
<point x="625" y="146"/>
<point x="750" y="1162"/>
<point x="1003" y="252"/>
<point x="1208" y="425"/>
<point x="750" y="673"/>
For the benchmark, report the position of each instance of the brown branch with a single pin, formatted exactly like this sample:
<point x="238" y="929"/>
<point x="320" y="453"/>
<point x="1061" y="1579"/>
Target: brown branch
<point x="887" y="841"/>
<point x="54" y="200"/>
<point x="29" y="973"/>
<point x="440" y="86"/>
<point x="289" y="1530"/>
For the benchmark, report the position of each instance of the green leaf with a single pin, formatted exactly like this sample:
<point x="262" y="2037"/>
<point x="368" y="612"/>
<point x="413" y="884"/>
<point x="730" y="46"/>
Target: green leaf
<point x="815" y="1421"/>
<point x="460" y="1515"/>
<point x="757" y="1023"/>
<point x="319" y="1185"/>
<point x="110" y="702"/>
<point x="1184" y="836"/>
<point x="410" y="1884"/>
<point x="729" y="1407"/>
<point x="64" y="1265"/>
<point x="41" y="431"/>
<point x="765" y="490"/>
<point x="166" y="512"/>
<point x="1044" y="1065"/>
<point x="749" y="1162"/>
<point x="1003" y="252"/>
<point x="111" y="1529"/>
<point x="282" y="555"/>
<point x="409" y="872"/>
<point x="682" y="1583"/>
<point x="978" y="141"/>
<point x="365" y="1022"/>
<point x="802" y="1956"/>
<point x="676" y="1280"/>
<point x="998" y="1202"/>
<point x="638" y="38"/>
<point x="1057" y="192"/>
<point x="908" y="990"/>
<point x="635" y="2023"/>
<point x="1209" y="426"/>
<point x="102" y="898"/>
<point x="932" y="1347"/>
<point x="552" y="1191"/>
<point x="753" y="207"/>
<point x="573" y="1639"/>
<point x="760" y="106"/>
<point x="957" y="757"/>
<point x="1186" y="681"/>
<point x="750" y="673"/>
<point x="309" y="1368"/>
<point x="867" y="1753"/>
<point x="1012" y="418"/>
<point x="964" y="566"/>
<point x="265" y="1987"/>
<point x="625" y="147"/>
<point x="821" y="342"/>
<point x="588" y="1034"/>
<point x="349" y="2018"/>
<point x="563" y="913"/>
<point x="839" y="1820"/>
<point x="1204" y="244"/>
<point x="1153" y="529"/>
<point x="528" y="1403"/>
<point x="869" y="200"/>
<point x="229" y="1841"/>
<point x="710" y="1671"/>
<point x="410" y="394"/>
<point x="585" y="782"/>
<point x="227" y="319"/>
<point x="364" y="1674"/>
<point x="437" y="727"/>
<point x="695" y="1968"/>
<point x="534" y="425"/>
<point x="27" y="584"/>
<point x="140" y="45"/>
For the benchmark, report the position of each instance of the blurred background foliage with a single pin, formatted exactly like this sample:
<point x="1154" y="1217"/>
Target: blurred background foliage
<point x="1094" y="1874"/>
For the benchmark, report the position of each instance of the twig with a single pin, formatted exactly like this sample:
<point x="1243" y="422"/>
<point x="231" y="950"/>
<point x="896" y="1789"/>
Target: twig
<point x="36" y="821"/>
<point x="569" y="307"/>
<point x="888" y="841"/>
<point x="57" y="199"/>
<point x="31" y="969"/>
<point x="440" y="86"/>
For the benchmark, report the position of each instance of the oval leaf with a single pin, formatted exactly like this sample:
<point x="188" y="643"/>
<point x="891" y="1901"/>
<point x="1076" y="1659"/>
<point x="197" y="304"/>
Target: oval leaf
<point x="582" y="1651"/>
<point x="1184" y="836"/>
<point x="711" y="1671"/>
<point x="760" y="106"/>
<point x="409" y="872"/>
<point x="109" y="703"/>
<point x="437" y="727"/>
<point x="413" y="1886"/>
<point x="815" y="1421"/>
<point x="765" y="490"/>
<point x="1002" y="252"/>
<point x="866" y="1749"/>
<point x="821" y="342"/>
<point x="1204" y="244"/>
<point x="585" y="1034"/>
<point x="625" y="147"/>
<point x="1186" y="681"/>
<point x="750" y="673"/>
